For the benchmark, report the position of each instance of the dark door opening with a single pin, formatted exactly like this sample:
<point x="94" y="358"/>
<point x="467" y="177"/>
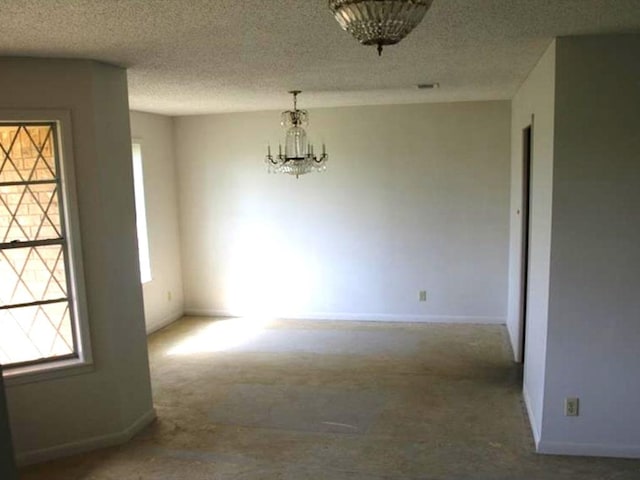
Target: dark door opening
<point x="526" y="232"/>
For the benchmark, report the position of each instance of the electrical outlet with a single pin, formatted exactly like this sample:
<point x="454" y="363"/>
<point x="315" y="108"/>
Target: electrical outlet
<point x="169" y="296"/>
<point x="571" y="407"/>
<point x="422" y="295"/>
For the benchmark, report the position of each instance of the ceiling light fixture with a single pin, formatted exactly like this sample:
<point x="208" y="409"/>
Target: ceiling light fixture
<point x="298" y="157"/>
<point x="379" y="22"/>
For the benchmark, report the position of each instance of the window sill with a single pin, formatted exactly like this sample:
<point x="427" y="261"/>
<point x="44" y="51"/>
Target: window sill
<point x="45" y="372"/>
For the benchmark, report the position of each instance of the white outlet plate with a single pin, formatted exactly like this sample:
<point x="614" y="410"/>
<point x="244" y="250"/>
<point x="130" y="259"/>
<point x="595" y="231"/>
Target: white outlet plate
<point x="571" y="406"/>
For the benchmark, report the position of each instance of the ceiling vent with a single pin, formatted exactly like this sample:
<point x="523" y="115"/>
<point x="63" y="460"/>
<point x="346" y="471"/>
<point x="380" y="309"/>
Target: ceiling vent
<point x="428" y="86"/>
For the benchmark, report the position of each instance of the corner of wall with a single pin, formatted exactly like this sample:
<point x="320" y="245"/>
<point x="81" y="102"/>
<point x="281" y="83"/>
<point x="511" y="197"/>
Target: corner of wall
<point x="593" y="303"/>
<point x="164" y="294"/>
<point x="533" y="422"/>
<point x="116" y="392"/>
<point x="87" y="444"/>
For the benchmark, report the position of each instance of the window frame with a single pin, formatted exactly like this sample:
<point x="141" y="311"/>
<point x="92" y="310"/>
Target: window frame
<point x="82" y="360"/>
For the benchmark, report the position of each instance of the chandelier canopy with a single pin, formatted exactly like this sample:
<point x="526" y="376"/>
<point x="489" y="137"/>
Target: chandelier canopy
<point x="379" y="22"/>
<point x="298" y="157"/>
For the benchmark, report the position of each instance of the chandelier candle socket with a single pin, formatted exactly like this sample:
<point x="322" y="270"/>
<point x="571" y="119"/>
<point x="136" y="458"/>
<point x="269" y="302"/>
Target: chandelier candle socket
<point x="298" y="157"/>
<point x="379" y="22"/>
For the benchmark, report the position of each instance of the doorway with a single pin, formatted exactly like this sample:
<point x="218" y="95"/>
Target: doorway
<point x="526" y="233"/>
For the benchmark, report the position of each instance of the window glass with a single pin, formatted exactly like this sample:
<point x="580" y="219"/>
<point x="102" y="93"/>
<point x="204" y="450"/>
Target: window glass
<point x="36" y="321"/>
<point x="141" y="215"/>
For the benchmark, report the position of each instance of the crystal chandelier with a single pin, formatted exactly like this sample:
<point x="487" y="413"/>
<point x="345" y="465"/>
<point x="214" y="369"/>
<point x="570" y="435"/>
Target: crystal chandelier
<point x="298" y="157"/>
<point x="379" y="22"/>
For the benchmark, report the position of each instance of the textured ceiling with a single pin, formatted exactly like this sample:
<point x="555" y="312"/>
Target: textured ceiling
<point x="201" y="56"/>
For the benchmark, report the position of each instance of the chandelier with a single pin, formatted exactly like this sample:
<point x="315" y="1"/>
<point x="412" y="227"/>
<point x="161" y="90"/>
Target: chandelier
<point x="379" y="22"/>
<point x="298" y="157"/>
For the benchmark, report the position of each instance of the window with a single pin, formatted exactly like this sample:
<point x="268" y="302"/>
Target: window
<point x="39" y="286"/>
<point x="141" y="215"/>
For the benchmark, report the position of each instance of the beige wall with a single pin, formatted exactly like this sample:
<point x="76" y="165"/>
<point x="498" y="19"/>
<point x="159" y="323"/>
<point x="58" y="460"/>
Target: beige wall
<point x="533" y="104"/>
<point x="582" y="329"/>
<point x="415" y="197"/>
<point x="107" y="403"/>
<point x="594" y="307"/>
<point x="163" y="297"/>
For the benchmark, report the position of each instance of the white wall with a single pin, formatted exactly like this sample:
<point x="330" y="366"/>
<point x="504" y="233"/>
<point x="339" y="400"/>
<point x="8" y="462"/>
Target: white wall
<point x="163" y="295"/>
<point x="415" y="197"/>
<point x="113" y="399"/>
<point x="534" y="98"/>
<point x="594" y="307"/>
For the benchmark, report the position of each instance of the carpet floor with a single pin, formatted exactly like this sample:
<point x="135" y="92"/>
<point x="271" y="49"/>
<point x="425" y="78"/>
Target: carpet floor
<point x="294" y="400"/>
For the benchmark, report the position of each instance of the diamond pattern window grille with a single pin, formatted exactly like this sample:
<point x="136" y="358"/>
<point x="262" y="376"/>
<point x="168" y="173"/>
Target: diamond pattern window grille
<point x="36" y="322"/>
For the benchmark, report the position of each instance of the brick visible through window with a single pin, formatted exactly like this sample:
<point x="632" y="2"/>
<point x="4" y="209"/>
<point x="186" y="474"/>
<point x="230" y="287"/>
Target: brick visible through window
<point x="36" y="321"/>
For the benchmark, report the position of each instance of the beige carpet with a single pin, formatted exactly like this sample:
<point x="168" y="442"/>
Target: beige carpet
<point x="327" y="400"/>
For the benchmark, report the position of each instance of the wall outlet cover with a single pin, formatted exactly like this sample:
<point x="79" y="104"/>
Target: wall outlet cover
<point x="571" y="406"/>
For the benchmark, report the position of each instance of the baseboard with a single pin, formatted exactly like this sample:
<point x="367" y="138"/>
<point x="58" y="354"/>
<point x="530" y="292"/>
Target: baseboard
<point x="578" y="449"/>
<point x="168" y="320"/>
<point x="588" y="449"/>
<point x="85" y="445"/>
<point x="359" y="317"/>
<point x="532" y="418"/>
